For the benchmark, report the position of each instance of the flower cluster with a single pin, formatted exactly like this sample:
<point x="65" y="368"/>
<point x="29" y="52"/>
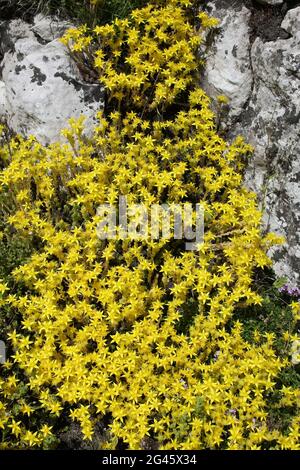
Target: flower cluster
<point x="101" y="331"/>
<point x="290" y="290"/>
<point x="147" y="60"/>
<point x="18" y="415"/>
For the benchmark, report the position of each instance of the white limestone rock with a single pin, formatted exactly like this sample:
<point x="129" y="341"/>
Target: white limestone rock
<point x="49" y="28"/>
<point x="228" y="68"/>
<point x="271" y="2"/>
<point x="268" y="115"/>
<point x="43" y="87"/>
<point x="291" y="22"/>
<point x="2" y="98"/>
<point x="272" y="124"/>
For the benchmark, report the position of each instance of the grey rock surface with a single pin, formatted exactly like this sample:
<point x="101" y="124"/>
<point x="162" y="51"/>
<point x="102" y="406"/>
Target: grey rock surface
<point x="228" y="66"/>
<point x="41" y="87"/>
<point x="262" y="81"/>
<point x="271" y="2"/>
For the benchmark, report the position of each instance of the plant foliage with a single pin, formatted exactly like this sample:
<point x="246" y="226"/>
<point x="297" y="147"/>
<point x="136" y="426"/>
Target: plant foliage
<point x="142" y="333"/>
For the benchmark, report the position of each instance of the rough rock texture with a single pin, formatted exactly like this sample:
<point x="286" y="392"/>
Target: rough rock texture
<point x="41" y="86"/>
<point x="228" y="68"/>
<point x="49" y="28"/>
<point x="271" y="2"/>
<point x="262" y="80"/>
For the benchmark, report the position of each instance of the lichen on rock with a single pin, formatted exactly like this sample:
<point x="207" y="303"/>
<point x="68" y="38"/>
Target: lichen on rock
<point x="261" y="80"/>
<point x="41" y="86"/>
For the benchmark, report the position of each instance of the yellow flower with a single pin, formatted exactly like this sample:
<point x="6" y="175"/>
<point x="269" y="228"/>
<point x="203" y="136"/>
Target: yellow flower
<point x="222" y="99"/>
<point x="45" y="431"/>
<point x="30" y="438"/>
<point x="15" y="427"/>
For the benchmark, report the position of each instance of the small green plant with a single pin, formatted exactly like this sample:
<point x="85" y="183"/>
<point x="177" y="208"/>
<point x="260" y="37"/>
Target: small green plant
<point x="85" y="11"/>
<point x="274" y="315"/>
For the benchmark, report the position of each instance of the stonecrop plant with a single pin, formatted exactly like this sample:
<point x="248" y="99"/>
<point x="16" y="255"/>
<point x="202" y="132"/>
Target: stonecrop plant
<point x="141" y="333"/>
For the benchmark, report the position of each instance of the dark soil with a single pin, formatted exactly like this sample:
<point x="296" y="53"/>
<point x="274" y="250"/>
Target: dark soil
<point x="72" y="439"/>
<point x="265" y="20"/>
